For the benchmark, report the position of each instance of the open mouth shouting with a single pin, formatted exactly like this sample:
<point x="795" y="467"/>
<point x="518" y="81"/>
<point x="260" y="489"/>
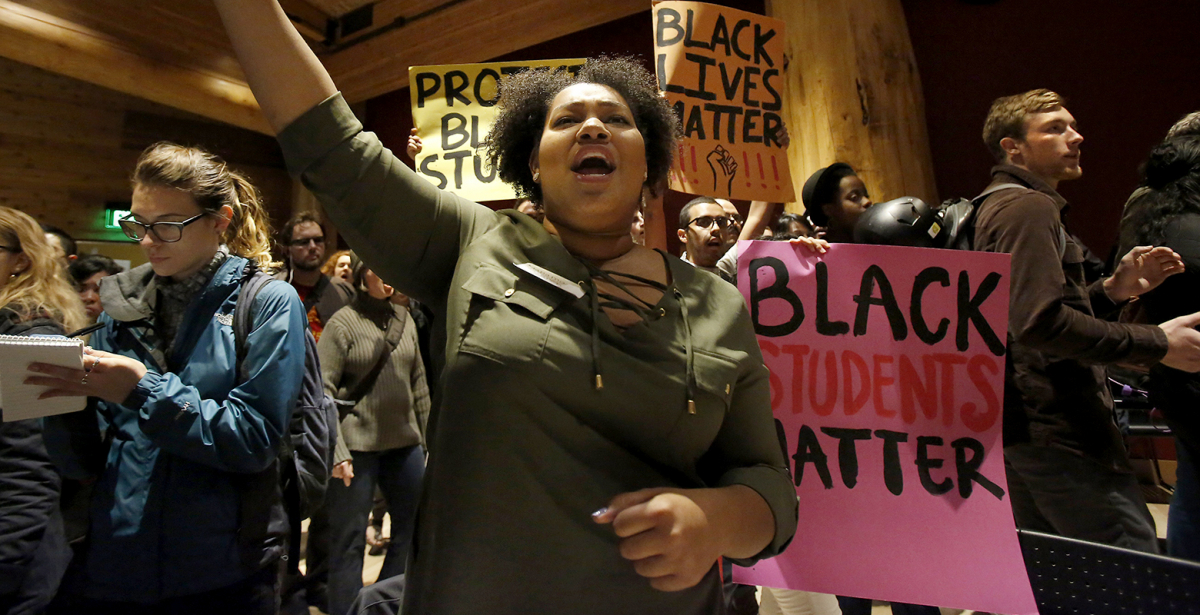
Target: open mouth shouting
<point x="593" y="163"/>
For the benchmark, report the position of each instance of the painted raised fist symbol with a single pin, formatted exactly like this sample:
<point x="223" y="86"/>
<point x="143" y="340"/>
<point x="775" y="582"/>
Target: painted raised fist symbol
<point x="723" y="166"/>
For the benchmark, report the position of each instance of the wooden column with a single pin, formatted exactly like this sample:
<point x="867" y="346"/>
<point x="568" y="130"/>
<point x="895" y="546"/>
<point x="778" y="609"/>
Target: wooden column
<point x="854" y="95"/>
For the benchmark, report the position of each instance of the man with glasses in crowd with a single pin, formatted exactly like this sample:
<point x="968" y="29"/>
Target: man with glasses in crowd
<point x="304" y="248"/>
<point x="704" y="228"/>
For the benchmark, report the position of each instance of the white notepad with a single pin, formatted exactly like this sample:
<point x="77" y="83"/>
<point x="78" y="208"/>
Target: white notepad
<point x="19" y="400"/>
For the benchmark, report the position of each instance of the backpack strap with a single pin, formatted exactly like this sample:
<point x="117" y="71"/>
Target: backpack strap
<point x="243" y="312"/>
<point x="977" y="201"/>
<point x="288" y="481"/>
<point x="388" y="346"/>
<point x="1062" y="233"/>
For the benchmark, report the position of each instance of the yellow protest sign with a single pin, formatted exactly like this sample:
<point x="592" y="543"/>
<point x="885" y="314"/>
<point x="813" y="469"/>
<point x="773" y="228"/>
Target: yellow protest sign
<point x="722" y="69"/>
<point x="454" y="107"/>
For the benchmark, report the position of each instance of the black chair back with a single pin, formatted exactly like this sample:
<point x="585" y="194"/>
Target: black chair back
<point x="1077" y="577"/>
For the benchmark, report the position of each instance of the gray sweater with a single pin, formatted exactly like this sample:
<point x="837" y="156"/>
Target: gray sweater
<point x="393" y="413"/>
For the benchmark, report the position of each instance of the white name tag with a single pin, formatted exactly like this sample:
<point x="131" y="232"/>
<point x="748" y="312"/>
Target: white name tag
<point x="551" y="278"/>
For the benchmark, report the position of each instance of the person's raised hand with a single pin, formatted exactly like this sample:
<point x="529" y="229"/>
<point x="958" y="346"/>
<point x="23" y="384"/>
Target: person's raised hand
<point x="782" y="136"/>
<point x="1142" y="270"/>
<point x="105" y="375"/>
<point x="414" y="145"/>
<point x="665" y="533"/>
<point x="820" y="246"/>
<point x="1183" y="343"/>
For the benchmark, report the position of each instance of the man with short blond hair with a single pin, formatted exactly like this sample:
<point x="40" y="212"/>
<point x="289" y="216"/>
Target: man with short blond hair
<point x="1008" y="116"/>
<point x="1067" y="468"/>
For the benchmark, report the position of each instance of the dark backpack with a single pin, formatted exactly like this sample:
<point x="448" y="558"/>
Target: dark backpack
<point x="958" y="216"/>
<point x="306" y="455"/>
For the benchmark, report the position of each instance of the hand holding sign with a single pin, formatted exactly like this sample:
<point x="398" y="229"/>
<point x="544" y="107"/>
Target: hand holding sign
<point x="414" y="145"/>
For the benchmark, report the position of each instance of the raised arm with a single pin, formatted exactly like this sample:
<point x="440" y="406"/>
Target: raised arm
<point x="284" y="74"/>
<point x="409" y="230"/>
<point x="760" y="215"/>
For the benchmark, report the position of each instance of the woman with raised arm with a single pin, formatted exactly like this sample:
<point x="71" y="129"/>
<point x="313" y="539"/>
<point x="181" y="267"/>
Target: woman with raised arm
<point x="186" y="514"/>
<point x="604" y="432"/>
<point x="35" y="299"/>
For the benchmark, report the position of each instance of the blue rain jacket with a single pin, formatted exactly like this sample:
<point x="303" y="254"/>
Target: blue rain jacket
<point x="187" y="498"/>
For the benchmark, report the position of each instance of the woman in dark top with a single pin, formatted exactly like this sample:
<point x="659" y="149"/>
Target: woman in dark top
<point x="1171" y="217"/>
<point x="604" y="431"/>
<point x="36" y="299"/>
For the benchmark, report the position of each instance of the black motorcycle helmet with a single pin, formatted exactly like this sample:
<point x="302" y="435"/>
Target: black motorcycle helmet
<point x="906" y="221"/>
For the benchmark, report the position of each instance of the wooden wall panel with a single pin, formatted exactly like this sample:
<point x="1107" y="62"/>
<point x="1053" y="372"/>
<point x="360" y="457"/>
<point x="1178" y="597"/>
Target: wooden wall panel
<point x="464" y="32"/>
<point x="68" y="147"/>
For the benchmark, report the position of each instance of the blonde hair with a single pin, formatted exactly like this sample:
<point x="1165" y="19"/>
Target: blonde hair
<point x="42" y="289"/>
<point x="1008" y="114"/>
<point x="331" y="264"/>
<point x="212" y="184"/>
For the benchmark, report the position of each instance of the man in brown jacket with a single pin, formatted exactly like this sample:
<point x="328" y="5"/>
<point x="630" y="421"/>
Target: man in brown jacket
<point x="1068" y="471"/>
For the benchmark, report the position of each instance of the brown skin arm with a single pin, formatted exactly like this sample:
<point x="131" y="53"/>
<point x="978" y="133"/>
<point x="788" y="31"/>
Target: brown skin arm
<point x="757" y="219"/>
<point x="284" y="74"/>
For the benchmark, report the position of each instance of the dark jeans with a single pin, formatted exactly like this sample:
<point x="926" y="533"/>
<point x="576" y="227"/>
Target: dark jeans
<point x="1183" y="522"/>
<point x="398" y="474"/>
<point x="300" y="591"/>
<point x="256" y="595"/>
<point x="1058" y="492"/>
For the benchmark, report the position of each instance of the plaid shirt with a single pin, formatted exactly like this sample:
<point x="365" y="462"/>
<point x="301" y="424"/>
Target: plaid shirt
<point x="174" y="297"/>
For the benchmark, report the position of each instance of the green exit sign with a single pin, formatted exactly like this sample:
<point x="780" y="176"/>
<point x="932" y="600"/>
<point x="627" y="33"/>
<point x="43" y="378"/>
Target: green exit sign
<point x="113" y="217"/>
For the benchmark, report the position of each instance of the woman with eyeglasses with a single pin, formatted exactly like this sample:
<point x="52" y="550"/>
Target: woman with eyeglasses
<point x="186" y="514"/>
<point x="35" y="299"/>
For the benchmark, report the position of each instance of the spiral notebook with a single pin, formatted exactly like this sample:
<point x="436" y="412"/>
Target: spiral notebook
<point x="20" y="401"/>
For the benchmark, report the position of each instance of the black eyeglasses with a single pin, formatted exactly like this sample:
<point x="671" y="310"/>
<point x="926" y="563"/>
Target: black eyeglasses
<point x="10" y="250"/>
<point x="300" y="243"/>
<point x="722" y="222"/>
<point x="166" y="232"/>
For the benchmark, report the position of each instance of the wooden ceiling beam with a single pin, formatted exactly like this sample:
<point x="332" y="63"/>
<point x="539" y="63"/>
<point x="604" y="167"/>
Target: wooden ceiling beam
<point x="67" y="48"/>
<point x="470" y="31"/>
<point x="309" y="20"/>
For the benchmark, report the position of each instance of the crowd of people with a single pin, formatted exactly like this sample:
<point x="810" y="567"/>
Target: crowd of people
<point x="548" y="411"/>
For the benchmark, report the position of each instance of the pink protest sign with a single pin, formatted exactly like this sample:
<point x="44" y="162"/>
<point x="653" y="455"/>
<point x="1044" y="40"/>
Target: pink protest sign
<point x="887" y="374"/>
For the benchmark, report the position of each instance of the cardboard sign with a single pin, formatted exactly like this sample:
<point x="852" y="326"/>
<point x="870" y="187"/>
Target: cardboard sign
<point x="454" y="107"/>
<point x="887" y="374"/>
<point x="722" y="69"/>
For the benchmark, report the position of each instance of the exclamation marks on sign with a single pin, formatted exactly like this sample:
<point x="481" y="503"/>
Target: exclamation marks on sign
<point x="761" y="174"/>
<point x="775" y="170"/>
<point x="695" y="169"/>
<point x="746" y="165"/>
<point x="683" y="172"/>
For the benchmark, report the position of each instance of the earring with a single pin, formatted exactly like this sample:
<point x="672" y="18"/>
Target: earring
<point x="536" y="175"/>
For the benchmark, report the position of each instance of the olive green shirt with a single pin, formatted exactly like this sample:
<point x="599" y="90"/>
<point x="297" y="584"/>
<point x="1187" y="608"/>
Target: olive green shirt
<point x="523" y="445"/>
